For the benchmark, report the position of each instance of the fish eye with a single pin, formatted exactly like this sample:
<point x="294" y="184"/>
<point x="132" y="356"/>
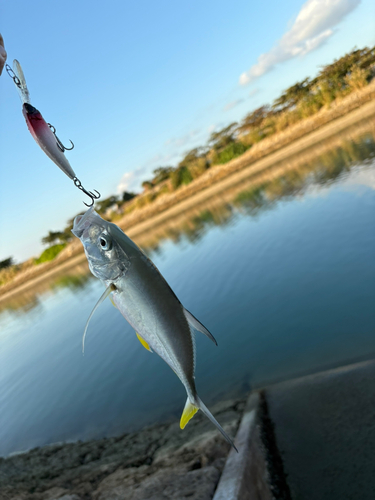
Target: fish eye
<point x="105" y="242"/>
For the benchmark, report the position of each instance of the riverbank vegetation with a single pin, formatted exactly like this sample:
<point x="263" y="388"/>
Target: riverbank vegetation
<point x="262" y="191"/>
<point x="352" y="72"/>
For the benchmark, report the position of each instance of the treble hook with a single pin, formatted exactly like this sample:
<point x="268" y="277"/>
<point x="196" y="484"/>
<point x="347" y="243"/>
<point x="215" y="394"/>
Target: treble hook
<point x="60" y="145"/>
<point x="90" y="194"/>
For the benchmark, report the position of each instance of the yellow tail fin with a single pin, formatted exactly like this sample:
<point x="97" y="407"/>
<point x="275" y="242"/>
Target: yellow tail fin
<point x="189" y="411"/>
<point x="143" y="342"/>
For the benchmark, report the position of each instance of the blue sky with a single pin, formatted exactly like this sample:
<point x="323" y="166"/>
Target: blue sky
<point x="135" y="85"/>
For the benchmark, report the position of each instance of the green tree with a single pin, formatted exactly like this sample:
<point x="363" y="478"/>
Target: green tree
<point x="50" y="253"/>
<point x="219" y="140"/>
<point x="53" y="237"/>
<point x="291" y="96"/>
<point x="231" y="151"/>
<point x="255" y="118"/>
<point x="127" y="196"/>
<point x="195" y="161"/>
<point x="6" y="263"/>
<point x="147" y="185"/>
<point x="180" y="176"/>
<point x="161" y="174"/>
<point x="357" y="78"/>
<point x="193" y="155"/>
<point x="333" y="78"/>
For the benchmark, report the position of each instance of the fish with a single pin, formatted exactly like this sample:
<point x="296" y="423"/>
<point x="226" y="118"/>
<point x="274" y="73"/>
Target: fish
<point x="147" y="302"/>
<point x="38" y="127"/>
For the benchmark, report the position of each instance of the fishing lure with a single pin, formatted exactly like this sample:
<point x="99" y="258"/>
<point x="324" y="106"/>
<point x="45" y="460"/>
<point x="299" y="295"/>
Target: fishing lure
<point x="146" y="301"/>
<point x="44" y="133"/>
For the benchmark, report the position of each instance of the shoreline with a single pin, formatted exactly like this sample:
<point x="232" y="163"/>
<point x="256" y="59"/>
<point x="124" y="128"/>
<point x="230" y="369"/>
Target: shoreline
<point x="161" y="461"/>
<point x="133" y="465"/>
<point x="212" y="183"/>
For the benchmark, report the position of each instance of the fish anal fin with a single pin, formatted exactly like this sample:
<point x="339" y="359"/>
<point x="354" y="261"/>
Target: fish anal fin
<point x="189" y="411"/>
<point x="192" y="320"/>
<point x="143" y="342"/>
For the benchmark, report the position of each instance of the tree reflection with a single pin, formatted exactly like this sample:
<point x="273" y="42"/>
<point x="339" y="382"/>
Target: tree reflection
<point x="320" y="165"/>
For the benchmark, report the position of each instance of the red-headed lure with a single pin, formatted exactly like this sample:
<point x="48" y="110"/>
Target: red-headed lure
<point x="44" y="133"/>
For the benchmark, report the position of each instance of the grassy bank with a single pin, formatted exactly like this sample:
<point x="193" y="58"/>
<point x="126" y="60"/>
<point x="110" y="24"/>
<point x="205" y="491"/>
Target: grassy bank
<point x="192" y="196"/>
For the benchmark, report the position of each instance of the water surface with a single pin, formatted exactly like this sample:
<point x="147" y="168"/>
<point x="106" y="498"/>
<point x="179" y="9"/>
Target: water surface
<point x="281" y="269"/>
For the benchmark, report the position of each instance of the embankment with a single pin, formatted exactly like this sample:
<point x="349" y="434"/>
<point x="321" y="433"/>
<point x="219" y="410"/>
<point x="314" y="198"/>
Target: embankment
<point x="296" y="139"/>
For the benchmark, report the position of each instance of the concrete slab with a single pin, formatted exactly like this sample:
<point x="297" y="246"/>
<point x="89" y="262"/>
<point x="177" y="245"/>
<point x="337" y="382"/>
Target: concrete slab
<point x="324" y="427"/>
<point x="245" y="475"/>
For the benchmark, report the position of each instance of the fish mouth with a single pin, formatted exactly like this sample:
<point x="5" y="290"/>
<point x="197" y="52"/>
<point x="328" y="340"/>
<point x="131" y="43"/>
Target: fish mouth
<point x="82" y="222"/>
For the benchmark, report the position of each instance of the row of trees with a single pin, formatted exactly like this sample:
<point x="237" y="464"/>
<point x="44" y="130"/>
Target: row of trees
<point x="351" y="72"/>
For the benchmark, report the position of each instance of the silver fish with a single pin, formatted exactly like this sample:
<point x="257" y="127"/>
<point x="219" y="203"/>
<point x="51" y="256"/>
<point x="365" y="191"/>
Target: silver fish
<point x="146" y="301"/>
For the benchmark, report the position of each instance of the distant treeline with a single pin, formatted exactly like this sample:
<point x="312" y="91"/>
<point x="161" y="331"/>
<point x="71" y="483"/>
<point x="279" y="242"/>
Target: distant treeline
<point x="351" y="72"/>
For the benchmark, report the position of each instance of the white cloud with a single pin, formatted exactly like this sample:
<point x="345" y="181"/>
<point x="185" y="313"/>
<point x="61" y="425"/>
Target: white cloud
<point x="232" y="104"/>
<point x="182" y="141"/>
<point x="131" y="180"/>
<point x="312" y="27"/>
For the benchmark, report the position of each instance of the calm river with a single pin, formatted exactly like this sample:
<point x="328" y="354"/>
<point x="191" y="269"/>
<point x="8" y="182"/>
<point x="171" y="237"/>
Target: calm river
<point x="281" y="269"/>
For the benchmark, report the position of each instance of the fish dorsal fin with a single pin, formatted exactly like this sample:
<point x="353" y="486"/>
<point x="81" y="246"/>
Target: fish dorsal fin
<point x="197" y="325"/>
<point x="107" y="291"/>
<point x="143" y="342"/>
<point x="189" y="411"/>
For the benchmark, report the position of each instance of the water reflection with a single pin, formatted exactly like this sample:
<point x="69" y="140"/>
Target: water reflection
<point x="74" y="279"/>
<point x="320" y="165"/>
<point x="279" y="266"/>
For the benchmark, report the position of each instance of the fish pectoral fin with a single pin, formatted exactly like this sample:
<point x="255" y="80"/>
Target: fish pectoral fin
<point x="143" y="342"/>
<point x="107" y="291"/>
<point x="192" y="320"/>
<point x="113" y="302"/>
<point x="189" y="411"/>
